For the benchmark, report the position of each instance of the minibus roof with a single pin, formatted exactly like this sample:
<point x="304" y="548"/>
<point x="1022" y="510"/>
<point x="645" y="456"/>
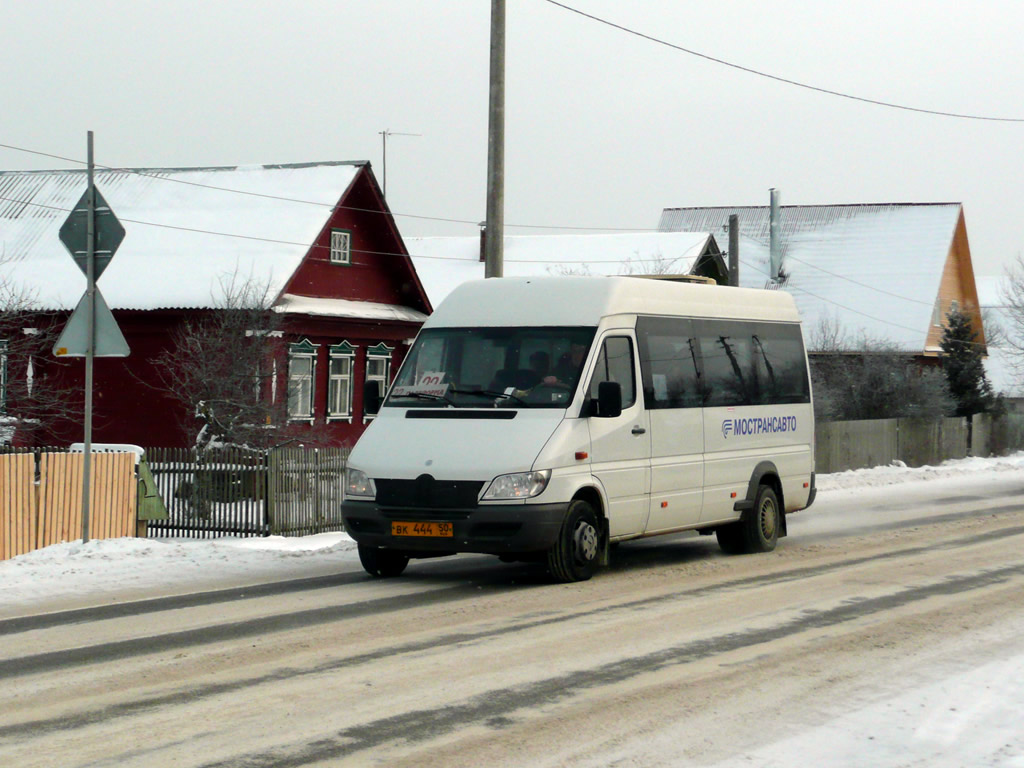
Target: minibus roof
<point x="583" y="301"/>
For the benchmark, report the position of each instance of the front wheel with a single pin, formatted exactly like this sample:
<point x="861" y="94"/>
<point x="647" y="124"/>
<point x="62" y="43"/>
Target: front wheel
<point x="573" y="557"/>
<point x="383" y="563"/>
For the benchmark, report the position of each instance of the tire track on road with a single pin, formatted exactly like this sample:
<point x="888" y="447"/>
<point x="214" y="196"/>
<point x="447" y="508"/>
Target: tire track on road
<point x="97" y="654"/>
<point x="497" y="709"/>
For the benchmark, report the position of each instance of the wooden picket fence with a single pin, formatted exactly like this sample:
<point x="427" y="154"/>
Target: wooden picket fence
<point x="38" y="514"/>
<point x="247" y="492"/>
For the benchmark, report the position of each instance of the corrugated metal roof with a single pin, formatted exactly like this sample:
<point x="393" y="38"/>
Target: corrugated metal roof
<point x="186" y="229"/>
<point x="875" y="268"/>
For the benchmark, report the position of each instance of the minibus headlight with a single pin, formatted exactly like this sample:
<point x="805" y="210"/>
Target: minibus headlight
<point x="358" y="484"/>
<point x="520" y="485"/>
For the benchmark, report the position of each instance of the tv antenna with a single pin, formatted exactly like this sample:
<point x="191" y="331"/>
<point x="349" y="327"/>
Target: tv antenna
<point x="384" y="156"/>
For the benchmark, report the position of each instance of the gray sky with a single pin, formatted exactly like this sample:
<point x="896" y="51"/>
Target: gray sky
<point x="603" y="129"/>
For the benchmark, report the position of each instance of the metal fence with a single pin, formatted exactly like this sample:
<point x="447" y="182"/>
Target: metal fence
<point x="238" y="492"/>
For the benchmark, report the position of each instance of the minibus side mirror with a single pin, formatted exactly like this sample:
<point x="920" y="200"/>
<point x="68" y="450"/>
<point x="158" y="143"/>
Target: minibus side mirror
<point x="371" y="397"/>
<point x="609" y="399"/>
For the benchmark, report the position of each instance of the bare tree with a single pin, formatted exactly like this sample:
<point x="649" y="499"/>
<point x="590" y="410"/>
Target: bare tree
<point x="865" y="378"/>
<point x="1012" y="295"/>
<point x="658" y="264"/>
<point x="827" y="335"/>
<point x="219" y="368"/>
<point x="34" y="397"/>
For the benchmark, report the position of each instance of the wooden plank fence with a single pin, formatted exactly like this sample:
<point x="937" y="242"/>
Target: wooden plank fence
<point x="35" y="515"/>
<point x="17" y="504"/>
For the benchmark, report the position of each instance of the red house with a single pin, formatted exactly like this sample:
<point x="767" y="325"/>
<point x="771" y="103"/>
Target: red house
<point x="319" y="237"/>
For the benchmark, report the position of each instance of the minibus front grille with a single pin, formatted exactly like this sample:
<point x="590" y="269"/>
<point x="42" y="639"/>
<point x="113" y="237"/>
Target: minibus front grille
<point x="412" y="514"/>
<point x="425" y="492"/>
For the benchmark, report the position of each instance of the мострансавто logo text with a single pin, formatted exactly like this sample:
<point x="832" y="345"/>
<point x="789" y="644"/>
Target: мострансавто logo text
<point x="759" y="425"/>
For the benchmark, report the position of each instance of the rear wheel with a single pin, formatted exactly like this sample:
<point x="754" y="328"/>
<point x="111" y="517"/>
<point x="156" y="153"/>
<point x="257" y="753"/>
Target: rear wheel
<point x="758" y="531"/>
<point x="573" y="557"/>
<point x="383" y="563"/>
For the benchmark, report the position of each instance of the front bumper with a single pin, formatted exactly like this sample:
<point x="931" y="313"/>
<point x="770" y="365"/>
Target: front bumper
<point x="493" y="529"/>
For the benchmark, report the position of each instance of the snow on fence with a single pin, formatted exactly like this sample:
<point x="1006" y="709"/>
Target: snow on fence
<point x="41" y="498"/>
<point x="239" y="492"/>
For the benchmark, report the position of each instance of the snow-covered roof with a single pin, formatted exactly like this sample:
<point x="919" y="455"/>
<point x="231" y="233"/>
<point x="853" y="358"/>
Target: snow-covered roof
<point x="445" y="262"/>
<point x="362" y="310"/>
<point x="874" y="268"/>
<point x="186" y="229"/>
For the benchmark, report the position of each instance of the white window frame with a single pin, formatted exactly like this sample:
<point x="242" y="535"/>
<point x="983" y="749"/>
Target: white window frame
<point x="3" y="376"/>
<point x="341" y="246"/>
<point x="379" y="352"/>
<point x="303" y="350"/>
<point x="338" y="352"/>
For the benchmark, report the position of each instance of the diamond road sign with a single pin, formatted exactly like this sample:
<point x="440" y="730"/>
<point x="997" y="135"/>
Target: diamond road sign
<point x="109" y="234"/>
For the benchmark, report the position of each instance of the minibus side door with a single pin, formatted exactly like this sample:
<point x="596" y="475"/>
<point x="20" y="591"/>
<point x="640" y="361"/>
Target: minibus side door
<point x="672" y="396"/>
<point x="620" y="445"/>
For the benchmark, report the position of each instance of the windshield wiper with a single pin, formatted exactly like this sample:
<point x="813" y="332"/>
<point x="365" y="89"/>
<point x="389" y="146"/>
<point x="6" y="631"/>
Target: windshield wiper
<point x="489" y="393"/>
<point x="428" y="396"/>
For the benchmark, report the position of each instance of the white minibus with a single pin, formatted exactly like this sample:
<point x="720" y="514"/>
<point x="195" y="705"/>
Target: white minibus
<point x="548" y="418"/>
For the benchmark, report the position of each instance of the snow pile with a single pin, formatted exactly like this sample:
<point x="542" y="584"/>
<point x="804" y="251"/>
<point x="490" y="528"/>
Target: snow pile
<point x="898" y="472"/>
<point x="128" y="568"/>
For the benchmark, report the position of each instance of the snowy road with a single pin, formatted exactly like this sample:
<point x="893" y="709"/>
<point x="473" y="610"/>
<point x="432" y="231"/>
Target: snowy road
<point x="884" y="631"/>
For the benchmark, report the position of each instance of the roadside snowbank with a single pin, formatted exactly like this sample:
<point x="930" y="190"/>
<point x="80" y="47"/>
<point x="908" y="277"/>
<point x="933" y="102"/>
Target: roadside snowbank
<point x="129" y="568"/>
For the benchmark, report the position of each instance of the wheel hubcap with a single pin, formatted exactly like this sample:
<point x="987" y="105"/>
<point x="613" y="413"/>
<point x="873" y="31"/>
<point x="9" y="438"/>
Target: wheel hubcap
<point x="584" y="541"/>
<point x="768" y="519"/>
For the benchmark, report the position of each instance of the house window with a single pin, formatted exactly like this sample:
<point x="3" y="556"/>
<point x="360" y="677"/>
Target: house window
<point x="378" y="367"/>
<point x="3" y="376"/>
<point x="341" y="246"/>
<point x="339" y="381"/>
<point x="301" y="378"/>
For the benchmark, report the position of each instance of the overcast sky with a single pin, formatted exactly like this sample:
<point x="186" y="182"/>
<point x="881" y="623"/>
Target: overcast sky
<point x="603" y="129"/>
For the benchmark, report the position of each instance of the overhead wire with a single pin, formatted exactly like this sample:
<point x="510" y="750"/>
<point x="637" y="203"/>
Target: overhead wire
<point x="330" y="206"/>
<point x="313" y="246"/>
<point x="778" y="78"/>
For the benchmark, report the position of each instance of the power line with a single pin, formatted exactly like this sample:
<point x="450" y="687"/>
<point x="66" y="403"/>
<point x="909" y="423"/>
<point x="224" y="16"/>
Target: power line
<point x="780" y="79"/>
<point x="330" y="206"/>
<point x="315" y="246"/>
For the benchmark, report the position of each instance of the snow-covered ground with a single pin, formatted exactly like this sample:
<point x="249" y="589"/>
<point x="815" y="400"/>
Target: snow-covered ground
<point x="105" y="568"/>
<point x="920" y="726"/>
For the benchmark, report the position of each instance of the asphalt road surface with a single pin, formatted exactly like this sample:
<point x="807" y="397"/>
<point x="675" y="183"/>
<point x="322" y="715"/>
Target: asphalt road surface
<point x="675" y="655"/>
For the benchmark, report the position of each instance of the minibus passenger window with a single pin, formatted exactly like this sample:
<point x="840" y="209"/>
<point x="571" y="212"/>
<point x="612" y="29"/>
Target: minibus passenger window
<point x="669" y="351"/>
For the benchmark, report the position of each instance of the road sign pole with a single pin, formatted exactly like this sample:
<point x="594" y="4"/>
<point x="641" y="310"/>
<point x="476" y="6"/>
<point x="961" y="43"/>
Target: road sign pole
<point x="90" y="346"/>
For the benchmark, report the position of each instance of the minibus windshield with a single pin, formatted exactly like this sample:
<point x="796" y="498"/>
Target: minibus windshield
<point x="536" y="367"/>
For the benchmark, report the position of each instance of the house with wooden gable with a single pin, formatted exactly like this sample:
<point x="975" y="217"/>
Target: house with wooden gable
<point x="318" y="237"/>
<point x="445" y="262"/>
<point x="890" y="271"/>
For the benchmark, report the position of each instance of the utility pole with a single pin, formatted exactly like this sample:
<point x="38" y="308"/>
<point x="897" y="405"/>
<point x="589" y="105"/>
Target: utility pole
<point x="90" y="344"/>
<point x="384" y="157"/>
<point x="734" y="250"/>
<point x="774" y="235"/>
<point x="494" y="234"/>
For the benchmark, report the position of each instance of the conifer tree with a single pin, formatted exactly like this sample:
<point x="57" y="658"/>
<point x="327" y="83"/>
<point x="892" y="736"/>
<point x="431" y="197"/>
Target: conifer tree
<point x="963" y="365"/>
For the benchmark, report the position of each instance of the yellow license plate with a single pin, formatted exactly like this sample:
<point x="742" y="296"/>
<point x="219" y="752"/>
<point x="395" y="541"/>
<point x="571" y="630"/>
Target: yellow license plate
<point x="421" y="529"/>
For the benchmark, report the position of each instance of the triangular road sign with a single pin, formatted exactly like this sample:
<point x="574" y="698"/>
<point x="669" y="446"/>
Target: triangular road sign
<point x="74" y="340"/>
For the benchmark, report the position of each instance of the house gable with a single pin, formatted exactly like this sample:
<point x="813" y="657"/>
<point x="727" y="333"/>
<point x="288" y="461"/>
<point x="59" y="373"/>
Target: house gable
<point x="957" y="288"/>
<point x="378" y="268"/>
<point x="875" y="269"/>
